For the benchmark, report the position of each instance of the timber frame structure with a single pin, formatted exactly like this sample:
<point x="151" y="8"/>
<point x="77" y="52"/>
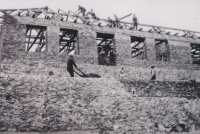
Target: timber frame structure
<point x="62" y="15"/>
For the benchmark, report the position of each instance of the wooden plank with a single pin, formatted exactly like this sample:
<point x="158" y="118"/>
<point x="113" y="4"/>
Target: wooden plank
<point x="67" y="43"/>
<point x="55" y="12"/>
<point x="139" y="24"/>
<point x="35" y="39"/>
<point x="175" y="34"/>
<point x="43" y="44"/>
<point x="1" y="44"/>
<point x="124" y="17"/>
<point x="41" y="38"/>
<point x="137" y="54"/>
<point x="19" y="9"/>
<point x="34" y="36"/>
<point x="159" y="43"/>
<point x="29" y="39"/>
<point x="136" y="44"/>
<point x="140" y="29"/>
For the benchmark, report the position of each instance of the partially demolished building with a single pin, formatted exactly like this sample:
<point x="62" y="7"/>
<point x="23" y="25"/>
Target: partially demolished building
<point x="35" y="41"/>
<point x="174" y="56"/>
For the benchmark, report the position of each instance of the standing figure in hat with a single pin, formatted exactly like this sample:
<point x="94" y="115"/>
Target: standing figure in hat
<point x="70" y="64"/>
<point x="153" y="73"/>
<point x="135" y="22"/>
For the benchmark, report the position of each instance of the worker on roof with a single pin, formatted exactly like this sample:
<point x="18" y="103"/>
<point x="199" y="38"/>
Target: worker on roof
<point x="70" y="64"/>
<point x="116" y="23"/>
<point x="81" y="10"/>
<point x="93" y="15"/>
<point x="135" y="22"/>
<point x="111" y="22"/>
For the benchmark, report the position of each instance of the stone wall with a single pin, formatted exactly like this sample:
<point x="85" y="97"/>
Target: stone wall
<point x="43" y="67"/>
<point x="179" y="46"/>
<point x="39" y="103"/>
<point x="187" y="89"/>
<point x="14" y="37"/>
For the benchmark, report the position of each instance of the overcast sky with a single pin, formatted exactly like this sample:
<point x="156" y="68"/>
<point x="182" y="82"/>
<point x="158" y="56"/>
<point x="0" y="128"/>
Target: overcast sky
<point x="182" y="14"/>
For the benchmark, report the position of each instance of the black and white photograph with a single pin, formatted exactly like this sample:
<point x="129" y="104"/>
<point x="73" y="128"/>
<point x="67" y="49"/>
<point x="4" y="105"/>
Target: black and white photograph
<point x="99" y="66"/>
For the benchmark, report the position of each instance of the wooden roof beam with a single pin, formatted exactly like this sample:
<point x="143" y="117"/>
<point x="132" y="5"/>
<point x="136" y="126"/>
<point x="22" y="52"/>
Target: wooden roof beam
<point x="124" y="17"/>
<point x="175" y="34"/>
<point x="21" y="9"/>
<point x="67" y="14"/>
<point x="55" y="13"/>
<point x="3" y="12"/>
<point x="140" y="29"/>
<point x="81" y="18"/>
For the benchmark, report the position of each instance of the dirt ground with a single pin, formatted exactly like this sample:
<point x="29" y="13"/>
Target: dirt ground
<point x="79" y="132"/>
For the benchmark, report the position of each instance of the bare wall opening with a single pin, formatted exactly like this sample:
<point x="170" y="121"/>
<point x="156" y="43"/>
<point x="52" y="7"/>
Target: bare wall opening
<point x="106" y="49"/>
<point x="138" y="48"/>
<point x="195" y="53"/>
<point x="36" y="38"/>
<point x="69" y="41"/>
<point x="162" y="50"/>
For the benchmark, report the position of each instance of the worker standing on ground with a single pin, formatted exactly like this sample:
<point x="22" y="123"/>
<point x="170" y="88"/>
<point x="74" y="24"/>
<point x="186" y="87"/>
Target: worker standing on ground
<point x="70" y="64"/>
<point x="153" y="73"/>
<point x="81" y="10"/>
<point x="135" y="22"/>
<point x="38" y="49"/>
<point x="122" y="73"/>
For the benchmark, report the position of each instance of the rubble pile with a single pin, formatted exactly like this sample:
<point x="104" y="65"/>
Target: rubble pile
<point x="41" y="103"/>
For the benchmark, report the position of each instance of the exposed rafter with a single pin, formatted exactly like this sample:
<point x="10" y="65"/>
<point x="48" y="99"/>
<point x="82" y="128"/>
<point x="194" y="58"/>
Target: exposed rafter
<point x="61" y="14"/>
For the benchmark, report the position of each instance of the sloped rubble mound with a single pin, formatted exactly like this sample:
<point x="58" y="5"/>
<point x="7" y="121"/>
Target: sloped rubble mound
<point x="66" y="104"/>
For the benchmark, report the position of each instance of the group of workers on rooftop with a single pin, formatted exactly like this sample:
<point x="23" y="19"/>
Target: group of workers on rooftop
<point x="113" y="23"/>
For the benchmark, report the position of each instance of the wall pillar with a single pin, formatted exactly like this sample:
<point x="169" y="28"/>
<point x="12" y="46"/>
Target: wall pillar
<point x="1" y="44"/>
<point x="151" y="53"/>
<point x="53" y="40"/>
<point x="123" y="47"/>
